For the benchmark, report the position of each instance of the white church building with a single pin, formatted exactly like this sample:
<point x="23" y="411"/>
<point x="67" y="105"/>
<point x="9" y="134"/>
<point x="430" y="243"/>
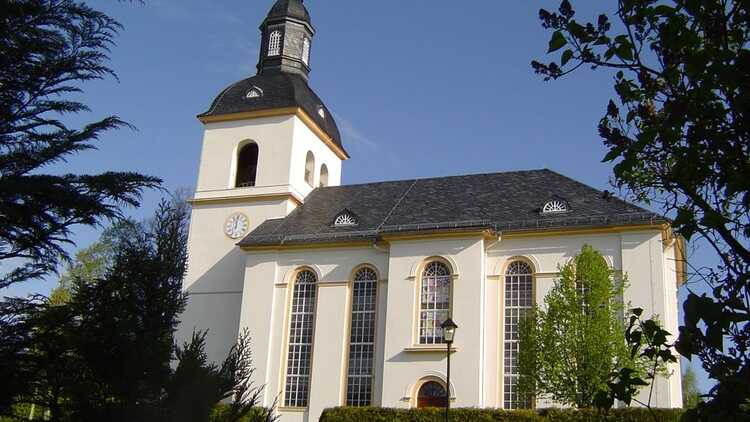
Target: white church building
<point x="344" y="287"/>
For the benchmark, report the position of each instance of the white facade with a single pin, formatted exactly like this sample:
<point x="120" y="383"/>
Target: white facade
<point x="231" y="289"/>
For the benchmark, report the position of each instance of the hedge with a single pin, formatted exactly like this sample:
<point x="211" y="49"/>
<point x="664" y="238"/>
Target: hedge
<point x="375" y="414"/>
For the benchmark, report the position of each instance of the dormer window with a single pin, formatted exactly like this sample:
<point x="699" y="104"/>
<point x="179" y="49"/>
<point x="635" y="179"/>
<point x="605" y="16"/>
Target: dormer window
<point x="253" y="93"/>
<point x="345" y="219"/>
<point x="274" y="43"/>
<point x="555" y="206"/>
<point x="321" y="112"/>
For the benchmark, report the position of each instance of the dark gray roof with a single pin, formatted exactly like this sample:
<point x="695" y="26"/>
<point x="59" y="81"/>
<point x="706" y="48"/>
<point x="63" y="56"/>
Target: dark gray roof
<point x="279" y="90"/>
<point x="509" y="201"/>
<point x="289" y="8"/>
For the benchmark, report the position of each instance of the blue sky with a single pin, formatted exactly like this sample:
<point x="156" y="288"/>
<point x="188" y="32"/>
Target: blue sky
<point x="419" y="88"/>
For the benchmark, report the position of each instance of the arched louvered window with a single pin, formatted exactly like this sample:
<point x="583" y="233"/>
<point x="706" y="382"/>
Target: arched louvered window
<point x="306" y="51"/>
<point x="301" y="331"/>
<point x="434" y="303"/>
<point x="518" y="300"/>
<point x="323" y="176"/>
<point x="274" y="43"/>
<point x="310" y="168"/>
<point x="247" y="165"/>
<point x="362" y="338"/>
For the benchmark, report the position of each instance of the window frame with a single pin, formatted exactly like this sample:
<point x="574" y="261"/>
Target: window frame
<point x="240" y="148"/>
<point x="309" y="169"/>
<point x="503" y="314"/>
<point x="275" y="42"/>
<point x="288" y="334"/>
<point x="348" y="333"/>
<point x="418" y="299"/>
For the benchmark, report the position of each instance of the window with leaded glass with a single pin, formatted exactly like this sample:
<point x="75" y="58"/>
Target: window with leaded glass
<point x="518" y="300"/>
<point x="362" y="338"/>
<point x="274" y="43"/>
<point x="434" y="303"/>
<point x="301" y="329"/>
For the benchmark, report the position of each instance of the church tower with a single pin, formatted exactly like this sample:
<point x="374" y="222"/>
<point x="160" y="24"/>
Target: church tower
<point x="268" y="142"/>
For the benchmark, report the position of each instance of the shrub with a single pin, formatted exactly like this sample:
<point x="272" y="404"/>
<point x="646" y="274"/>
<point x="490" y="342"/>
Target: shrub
<point x="375" y="414"/>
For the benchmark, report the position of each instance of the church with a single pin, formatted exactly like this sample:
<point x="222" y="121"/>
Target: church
<point x="344" y="288"/>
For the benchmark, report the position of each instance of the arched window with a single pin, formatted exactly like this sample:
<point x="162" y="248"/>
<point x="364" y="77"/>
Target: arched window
<point x="432" y="394"/>
<point x="306" y="51"/>
<point x="518" y="300"/>
<point x="362" y="338"/>
<point x="301" y="329"/>
<point x="310" y="168"/>
<point x="247" y="165"/>
<point x="274" y="43"/>
<point x="434" y="303"/>
<point x="323" y="176"/>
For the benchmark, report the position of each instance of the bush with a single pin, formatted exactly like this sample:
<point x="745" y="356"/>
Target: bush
<point x="375" y="414"/>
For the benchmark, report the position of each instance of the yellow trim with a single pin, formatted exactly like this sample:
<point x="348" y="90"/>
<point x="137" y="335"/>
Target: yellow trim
<point x="284" y="409"/>
<point x="593" y="230"/>
<point x="322" y="245"/>
<point x="245" y="198"/>
<point x="285" y="111"/>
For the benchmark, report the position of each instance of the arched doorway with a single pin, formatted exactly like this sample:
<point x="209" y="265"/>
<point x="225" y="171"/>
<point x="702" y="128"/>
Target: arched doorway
<point x="431" y="394"/>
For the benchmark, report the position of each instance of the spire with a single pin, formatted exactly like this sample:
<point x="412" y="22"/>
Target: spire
<point x="287" y="39"/>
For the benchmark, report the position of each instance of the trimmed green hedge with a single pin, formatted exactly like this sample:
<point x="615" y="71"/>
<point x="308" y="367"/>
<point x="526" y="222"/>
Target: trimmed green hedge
<point x="375" y="414"/>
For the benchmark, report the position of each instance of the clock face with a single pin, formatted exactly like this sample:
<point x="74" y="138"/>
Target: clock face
<point x="236" y="226"/>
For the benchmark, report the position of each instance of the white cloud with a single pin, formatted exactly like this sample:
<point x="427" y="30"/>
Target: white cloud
<point x="352" y="134"/>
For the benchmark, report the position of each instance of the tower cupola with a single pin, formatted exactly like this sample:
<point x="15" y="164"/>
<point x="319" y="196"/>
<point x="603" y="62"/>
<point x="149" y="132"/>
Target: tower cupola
<point x="287" y="39"/>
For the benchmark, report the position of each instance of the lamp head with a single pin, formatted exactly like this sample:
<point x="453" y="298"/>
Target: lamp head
<point x="449" y="330"/>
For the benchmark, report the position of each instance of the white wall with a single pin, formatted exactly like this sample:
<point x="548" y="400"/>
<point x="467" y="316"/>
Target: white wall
<point x="268" y="280"/>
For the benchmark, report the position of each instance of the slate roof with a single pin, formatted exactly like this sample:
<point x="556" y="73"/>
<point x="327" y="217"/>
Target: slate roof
<point x="279" y="90"/>
<point x="289" y="8"/>
<point x="509" y="201"/>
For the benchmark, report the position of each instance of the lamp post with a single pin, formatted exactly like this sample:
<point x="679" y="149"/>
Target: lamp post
<point x="449" y="332"/>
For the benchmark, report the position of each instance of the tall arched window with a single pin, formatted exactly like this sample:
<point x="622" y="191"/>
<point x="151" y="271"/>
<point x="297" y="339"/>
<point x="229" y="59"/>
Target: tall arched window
<point x="301" y="329"/>
<point x="310" y="168"/>
<point x="323" y="176"/>
<point x="362" y="338"/>
<point x="432" y="394"/>
<point x="518" y="300"/>
<point x="274" y="43"/>
<point x="247" y="165"/>
<point x="306" y="51"/>
<point x="434" y="303"/>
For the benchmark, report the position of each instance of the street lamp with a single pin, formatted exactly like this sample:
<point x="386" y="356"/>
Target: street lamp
<point x="449" y="332"/>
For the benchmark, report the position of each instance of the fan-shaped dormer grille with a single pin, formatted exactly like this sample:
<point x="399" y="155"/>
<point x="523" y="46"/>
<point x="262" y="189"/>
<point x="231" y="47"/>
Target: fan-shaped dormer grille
<point x="555" y="206"/>
<point x="345" y="219"/>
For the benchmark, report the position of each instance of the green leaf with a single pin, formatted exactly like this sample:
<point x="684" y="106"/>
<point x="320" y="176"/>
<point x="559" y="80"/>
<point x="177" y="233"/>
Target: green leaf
<point x="566" y="56"/>
<point x="557" y="42"/>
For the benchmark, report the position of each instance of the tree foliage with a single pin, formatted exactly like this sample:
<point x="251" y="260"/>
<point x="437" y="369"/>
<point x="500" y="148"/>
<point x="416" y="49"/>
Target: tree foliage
<point x="48" y="49"/>
<point x="679" y="135"/>
<point x="107" y="352"/>
<point x="691" y="394"/>
<point x="582" y="321"/>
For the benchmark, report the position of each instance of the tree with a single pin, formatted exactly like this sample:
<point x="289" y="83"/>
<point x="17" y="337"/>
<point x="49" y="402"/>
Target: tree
<point x="581" y="320"/>
<point x="48" y="49"/>
<point x="129" y="318"/>
<point x="679" y="137"/>
<point x="89" y="264"/>
<point x="691" y="395"/>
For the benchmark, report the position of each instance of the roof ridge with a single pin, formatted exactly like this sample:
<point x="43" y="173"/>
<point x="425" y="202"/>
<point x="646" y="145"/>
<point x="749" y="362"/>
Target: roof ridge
<point x="422" y="179"/>
<point x="377" y="229"/>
